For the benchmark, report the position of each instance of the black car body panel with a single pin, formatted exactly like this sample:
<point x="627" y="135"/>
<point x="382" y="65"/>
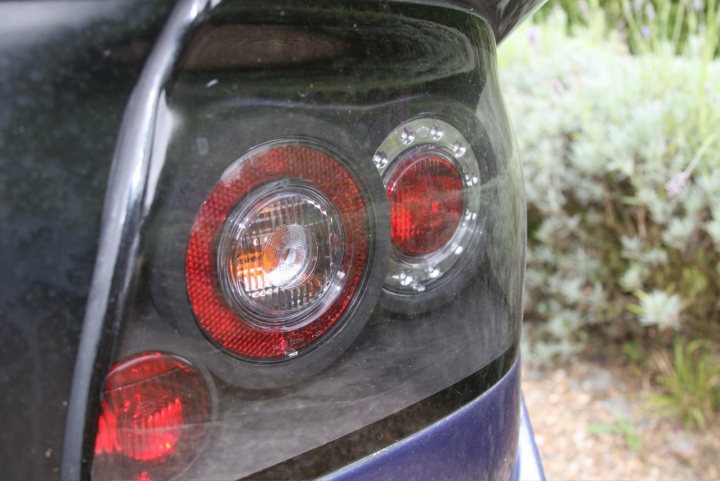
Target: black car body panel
<point x="66" y="72"/>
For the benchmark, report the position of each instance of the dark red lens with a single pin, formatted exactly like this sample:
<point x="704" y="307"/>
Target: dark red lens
<point x="153" y="415"/>
<point x="426" y="203"/>
<point x="302" y="170"/>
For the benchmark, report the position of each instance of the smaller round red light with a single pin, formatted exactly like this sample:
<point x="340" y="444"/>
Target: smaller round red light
<point x="426" y="203"/>
<point x="152" y="419"/>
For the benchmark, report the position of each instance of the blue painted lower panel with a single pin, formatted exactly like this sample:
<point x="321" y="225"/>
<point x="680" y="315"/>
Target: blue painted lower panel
<point x="478" y="442"/>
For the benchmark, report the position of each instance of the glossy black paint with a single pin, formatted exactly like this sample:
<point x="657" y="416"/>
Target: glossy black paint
<point x="66" y="70"/>
<point x="340" y="454"/>
<point x="474" y="443"/>
<point x="501" y="15"/>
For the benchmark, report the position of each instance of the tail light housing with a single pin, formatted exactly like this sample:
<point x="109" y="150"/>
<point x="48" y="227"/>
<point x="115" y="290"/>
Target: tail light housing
<point x="156" y="409"/>
<point x="325" y="237"/>
<point x="432" y="179"/>
<point x="278" y="252"/>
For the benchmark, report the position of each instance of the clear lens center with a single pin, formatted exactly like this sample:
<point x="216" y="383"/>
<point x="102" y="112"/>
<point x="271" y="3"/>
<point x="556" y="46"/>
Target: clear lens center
<point x="280" y="256"/>
<point x="289" y="256"/>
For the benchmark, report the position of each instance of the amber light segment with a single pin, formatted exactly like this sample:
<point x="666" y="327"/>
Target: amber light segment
<point x="283" y="254"/>
<point x="288" y="254"/>
<point x="153" y="411"/>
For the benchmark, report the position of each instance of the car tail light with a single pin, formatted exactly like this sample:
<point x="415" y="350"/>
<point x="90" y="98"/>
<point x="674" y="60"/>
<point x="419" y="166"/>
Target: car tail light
<point x="426" y="202"/>
<point x="296" y="229"/>
<point x="432" y="180"/>
<point x="155" y="408"/>
<point x="277" y="252"/>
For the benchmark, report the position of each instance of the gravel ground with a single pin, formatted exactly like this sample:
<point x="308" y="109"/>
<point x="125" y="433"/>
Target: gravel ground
<point x="592" y="423"/>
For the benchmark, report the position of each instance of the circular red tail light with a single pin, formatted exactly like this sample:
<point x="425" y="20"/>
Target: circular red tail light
<point x="277" y="252"/>
<point x="432" y="181"/>
<point x="426" y="203"/>
<point x="152" y="420"/>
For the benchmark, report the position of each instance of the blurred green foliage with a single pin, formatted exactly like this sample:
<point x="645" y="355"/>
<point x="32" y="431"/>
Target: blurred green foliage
<point x="649" y="25"/>
<point x="622" y="165"/>
<point x="622" y="159"/>
<point x="690" y="379"/>
<point x="622" y="426"/>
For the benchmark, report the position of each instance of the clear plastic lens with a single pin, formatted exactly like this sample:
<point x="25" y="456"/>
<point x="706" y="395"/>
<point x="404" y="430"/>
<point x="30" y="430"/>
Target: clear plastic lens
<point x="280" y="255"/>
<point x="288" y="256"/>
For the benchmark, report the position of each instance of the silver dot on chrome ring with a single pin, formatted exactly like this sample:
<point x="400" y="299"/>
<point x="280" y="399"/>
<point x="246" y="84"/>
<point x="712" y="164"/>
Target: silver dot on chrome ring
<point x="380" y="160"/>
<point x="406" y="136"/>
<point x="459" y="149"/>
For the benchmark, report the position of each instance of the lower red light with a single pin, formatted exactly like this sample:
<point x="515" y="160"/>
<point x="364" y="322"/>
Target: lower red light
<point x="152" y="418"/>
<point x="426" y="203"/>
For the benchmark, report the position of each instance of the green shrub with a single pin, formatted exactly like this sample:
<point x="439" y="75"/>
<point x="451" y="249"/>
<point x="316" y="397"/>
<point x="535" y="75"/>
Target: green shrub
<point x="672" y="26"/>
<point x="690" y="381"/>
<point x="622" y="165"/>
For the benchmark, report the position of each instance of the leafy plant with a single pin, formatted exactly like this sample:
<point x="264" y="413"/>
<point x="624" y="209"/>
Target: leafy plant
<point x="617" y="110"/>
<point x="669" y="26"/>
<point x="633" y="352"/>
<point x="691" y="383"/>
<point x="658" y="308"/>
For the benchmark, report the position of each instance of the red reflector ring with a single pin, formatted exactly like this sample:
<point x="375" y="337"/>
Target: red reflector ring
<point x="298" y="166"/>
<point x="154" y="410"/>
